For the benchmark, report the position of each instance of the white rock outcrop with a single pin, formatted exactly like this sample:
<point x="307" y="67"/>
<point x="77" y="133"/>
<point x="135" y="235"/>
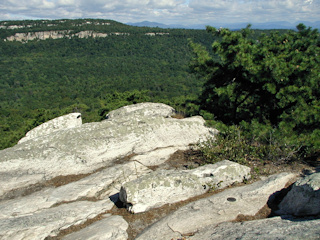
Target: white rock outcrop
<point x="100" y="185"/>
<point x="49" y="222"/>
<point x="86" y="148"/>
<point x="139" y="110"/>
<point x="111" y="227"/>
<point x="169" y="186"/>
<point x="222" y="174"/>
<point x="66" y="178"/>
<point x="160" y="187"/>
<point x="44" y="35"/>
<point x="218" y="208"/>
<point x="60" y="123"/>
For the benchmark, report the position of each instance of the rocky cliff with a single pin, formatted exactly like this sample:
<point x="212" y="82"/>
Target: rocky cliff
<point x="68" y="180"/>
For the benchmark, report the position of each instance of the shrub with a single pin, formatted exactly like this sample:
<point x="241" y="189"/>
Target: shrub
<point x="250" y="142"/>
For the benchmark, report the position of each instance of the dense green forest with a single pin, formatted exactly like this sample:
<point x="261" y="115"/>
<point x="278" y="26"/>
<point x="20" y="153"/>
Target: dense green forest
<point x="43" y="79"/>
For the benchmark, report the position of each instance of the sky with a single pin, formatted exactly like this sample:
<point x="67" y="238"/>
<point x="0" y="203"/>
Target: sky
<point x="183" y="12"/>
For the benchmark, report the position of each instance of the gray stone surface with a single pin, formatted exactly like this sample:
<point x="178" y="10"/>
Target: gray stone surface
<point x="222" y="174"/>
<point x="115" y="153"/>
<point x="221" y="207"/>
<point x="161" y="187"/>
<point x="91" y="146"/>
<point x="265" y="229"/>
<point x="99" y="185"/>
<point x="49" y="222"/>
<point x="141" y="110"/>
<point x="157" y="156"/>
<point x="60" y="123"/>
<point x="304" y="197"/>
<point x="168" y="186"/>
<point x="112" y="227"/>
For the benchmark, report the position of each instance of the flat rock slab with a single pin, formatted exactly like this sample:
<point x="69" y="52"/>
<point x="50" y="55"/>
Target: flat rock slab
<point x="84" y="149"/>
<point x="265" y="229"/>
<point x="221" y="207"/>
<point x="157" y="156"/>
<point x="49" y="222"/>
<point x="168" y="186"/>
<point x="304" y="197"/>
<point x="98" y="186"/>
<point x="112" y="227"/>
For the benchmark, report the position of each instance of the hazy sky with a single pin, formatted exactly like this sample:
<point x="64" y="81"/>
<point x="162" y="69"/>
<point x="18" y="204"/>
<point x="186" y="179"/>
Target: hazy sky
<point x="165" y="11"/>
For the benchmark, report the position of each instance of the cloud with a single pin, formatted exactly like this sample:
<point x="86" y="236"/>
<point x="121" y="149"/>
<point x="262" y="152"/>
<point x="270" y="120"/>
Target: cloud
<point x="165" y="11"/>
<point x="256" y="10"/>
<point x="66" y="3"/>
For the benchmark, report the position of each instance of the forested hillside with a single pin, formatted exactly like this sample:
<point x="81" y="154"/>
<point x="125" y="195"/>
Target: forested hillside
<point x="260" y="88"/>
<point x="41" y="79"/>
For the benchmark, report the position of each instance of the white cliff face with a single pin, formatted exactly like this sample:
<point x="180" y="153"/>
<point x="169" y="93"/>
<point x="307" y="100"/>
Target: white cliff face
<point x="43" y="35"/>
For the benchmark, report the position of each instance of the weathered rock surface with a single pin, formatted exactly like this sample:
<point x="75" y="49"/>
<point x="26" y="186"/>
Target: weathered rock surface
<point x="112" y="227"/>
<point x="157" y="156"/>
<point x="49" y="222"/>
<point x="60" y="123"/>
<point x="168" y="186"/>
<point x="304" y="197"/>
<point x="269" y="228"/>
<point x="222" y="174"/>
<point x="99" y="185"/>
<point x="141" y="110"/>
<point x="159" y="188"/>
<point x="67" y="176"/>
<point x="84" y="149"/>
<point x="221" y="207"/>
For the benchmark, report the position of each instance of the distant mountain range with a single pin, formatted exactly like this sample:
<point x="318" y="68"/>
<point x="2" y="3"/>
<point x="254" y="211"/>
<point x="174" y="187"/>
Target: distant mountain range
<point x="233" y="26"/>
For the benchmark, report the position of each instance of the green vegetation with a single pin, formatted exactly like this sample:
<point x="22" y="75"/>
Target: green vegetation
<point x="249" y="142"/>
<point x="44" y="79"/>
<point x="267" y="86"/>
<point x="259" y="88"/>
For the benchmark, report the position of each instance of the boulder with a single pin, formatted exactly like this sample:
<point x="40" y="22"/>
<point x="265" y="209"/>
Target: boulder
<point x="112" y="227"/>
<point x="49" y="222"/>
<point x="91" y="146"/>
<point x="159" y="188"/>
<point x="304" y="197"/>
<point x="221" y="207"/>
<point x="269" y="228"/>
<point x="222" y="174"/>
<point x="60" y="123"/>
<point x="168" y="186"/>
